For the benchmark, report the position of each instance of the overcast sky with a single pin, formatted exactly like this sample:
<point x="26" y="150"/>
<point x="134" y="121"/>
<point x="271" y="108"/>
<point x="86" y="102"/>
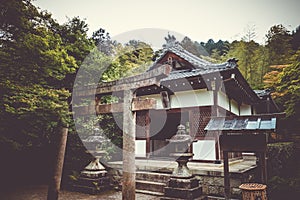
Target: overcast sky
<point x="198" y="19"/>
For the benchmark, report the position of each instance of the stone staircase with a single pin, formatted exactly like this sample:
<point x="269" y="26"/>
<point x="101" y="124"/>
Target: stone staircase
<point x="151" y="182"/>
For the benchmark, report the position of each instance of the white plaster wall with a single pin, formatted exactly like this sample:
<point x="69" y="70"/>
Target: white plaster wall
<point x="223" y="100"/>
<point x="234" y="107"/>
<point x="185" y="99"/>
<point x="192" y="98"/>
<point x="245" y="109"/>
<point x="204" y="150"/>
<point x="140" y="148"/>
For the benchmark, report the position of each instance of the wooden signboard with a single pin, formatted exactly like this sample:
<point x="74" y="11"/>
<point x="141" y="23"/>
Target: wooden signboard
<point x="243" y="143"/>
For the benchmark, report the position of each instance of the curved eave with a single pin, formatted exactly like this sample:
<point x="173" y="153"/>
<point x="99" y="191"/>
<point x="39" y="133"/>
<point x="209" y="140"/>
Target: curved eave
<point x="240" y="89"/>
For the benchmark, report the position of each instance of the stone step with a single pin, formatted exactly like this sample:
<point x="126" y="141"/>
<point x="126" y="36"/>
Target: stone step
<point x="203" y="197"/>
<point x="150" y="186"/>
<point x="93" y="182"/>
<point x="90" y="189"/>
<point x="153" y="176"/>
<point x="150" y="192"/>
<point x="217" y="198"/>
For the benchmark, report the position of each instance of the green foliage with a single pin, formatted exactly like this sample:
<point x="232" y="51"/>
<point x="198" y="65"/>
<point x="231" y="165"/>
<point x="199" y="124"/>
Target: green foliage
<point x="283" y="171"/>
<point x="93" y="67"/>
<point x="193" y="47"/>
<point x="110" y="126"/>
<point x="280" y="158"/>
<point x="289" y="84"/>
<point x="215" y="49"/>
<point x="76" y="43"/>
<point x="279" y="44"/>
<point x="103" y="41"/>
<point x="296" y="39"/>
<point x="34" y="63"/>
<point x="251" y="61"/>
<point x="49" y="62"/>
<point x="131" y="59"/>
<point x="283" y="188"/>
<point x="284" y="81"/>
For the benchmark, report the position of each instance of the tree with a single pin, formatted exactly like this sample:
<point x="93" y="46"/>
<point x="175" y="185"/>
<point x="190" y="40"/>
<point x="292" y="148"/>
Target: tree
<point x="131" y="59"/>
<point x="75" y="41"/>
<point x="253" y="58"/>
<point x="289" y="92"/>
<point x="34" y="61"/>
<point x="103" y="41"/>
<point x="296" y="39"/>
<point x="209" y="46"/>
<point x="190" y="46"/>
<point x="220" y="50"/>
<point x="279" y="45"/>
<point x="250" y="33"/>
<point x="262" y="63"/>
<point x="285" y="83"/>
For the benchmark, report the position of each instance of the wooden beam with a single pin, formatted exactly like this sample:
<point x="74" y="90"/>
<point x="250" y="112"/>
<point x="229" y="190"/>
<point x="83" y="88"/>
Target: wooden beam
<point x="102" y="89"/>
<point x="109" y="108"/>
<point x="143" y="104"/>
<point x="146" y="79"/>
<point x="137" y="105"/>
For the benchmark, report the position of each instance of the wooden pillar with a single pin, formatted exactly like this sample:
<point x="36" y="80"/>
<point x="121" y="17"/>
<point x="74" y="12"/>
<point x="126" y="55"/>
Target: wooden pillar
<point x="268" y="105"/>
<point x="217" y="146"/>
<point x="229" y="101"/>
<point x="129" y="121"/>
<point x="263" y="167"/>
<point x="59" y="145"/>
<point x="147" y="127"/>
<point x="214" y="87"/>
<point x="226" y="175"/>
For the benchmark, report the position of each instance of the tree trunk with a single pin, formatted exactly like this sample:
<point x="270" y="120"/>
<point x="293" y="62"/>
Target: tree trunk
<point x="59" y="147"/>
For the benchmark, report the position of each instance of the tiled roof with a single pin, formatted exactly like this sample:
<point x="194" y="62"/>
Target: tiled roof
<point x="262" y="93"/>
<point x="201" y="66"/>
<point x="178" y="74"/>
<point x="177" y="49"/>
<point x="241" y="123"/>
<point x="194" y="60"/>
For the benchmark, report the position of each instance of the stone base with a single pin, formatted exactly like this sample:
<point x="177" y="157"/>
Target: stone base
<point x="92" y="185"/>
<point x="183" y="188"/>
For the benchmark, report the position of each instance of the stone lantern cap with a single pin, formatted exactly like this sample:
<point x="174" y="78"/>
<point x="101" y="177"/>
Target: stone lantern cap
<point x="97" y="137"/>
<point x="181" y="136"/>
<point x="96" y="141"/>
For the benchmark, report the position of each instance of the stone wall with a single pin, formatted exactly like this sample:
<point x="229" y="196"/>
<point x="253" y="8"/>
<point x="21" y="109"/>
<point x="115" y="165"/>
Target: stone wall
<point x="212" y="183"/>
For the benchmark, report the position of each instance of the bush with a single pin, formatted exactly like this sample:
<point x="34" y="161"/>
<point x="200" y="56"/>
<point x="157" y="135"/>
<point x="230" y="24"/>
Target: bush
<point x="281" y="158"/>
<point x="283" y="171"/>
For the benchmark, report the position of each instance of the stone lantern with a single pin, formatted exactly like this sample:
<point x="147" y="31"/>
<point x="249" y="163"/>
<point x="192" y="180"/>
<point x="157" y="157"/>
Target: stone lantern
<point x="93" y="178"/>
<point x="181" y="141"/>
<point x="182" y="183"/>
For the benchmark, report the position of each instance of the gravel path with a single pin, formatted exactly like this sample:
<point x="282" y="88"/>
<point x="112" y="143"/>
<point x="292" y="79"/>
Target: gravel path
<point x="39" y="192"/>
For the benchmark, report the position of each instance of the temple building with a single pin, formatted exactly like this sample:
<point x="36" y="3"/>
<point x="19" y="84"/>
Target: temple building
<point x="202" y="96"/>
